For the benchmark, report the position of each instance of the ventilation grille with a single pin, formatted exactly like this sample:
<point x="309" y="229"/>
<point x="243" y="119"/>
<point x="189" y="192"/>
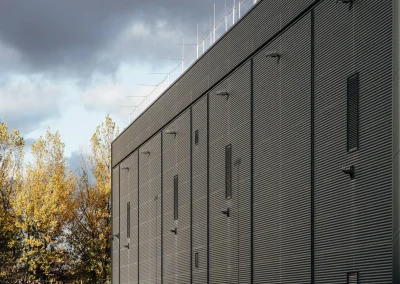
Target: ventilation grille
<point x="352" y="112"/>
<point x="228" y="171"/>
<point x="196" y="137"/>
<point x="128" y="220"/>
<point x="352" y="278"/>
<point x="196" y="260"/>
<point x="176" y="197"/>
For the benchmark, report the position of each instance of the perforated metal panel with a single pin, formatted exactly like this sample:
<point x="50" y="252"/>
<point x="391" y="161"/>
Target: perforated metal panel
<point x="353" y="218"/>
<point x="199" y="190"/>
<point x="176" y="161"/>
<point x="150" y="211"/>
<point x="282" y="164"/>
<point x="229" y="123"/>
<point x="115" y="225"/>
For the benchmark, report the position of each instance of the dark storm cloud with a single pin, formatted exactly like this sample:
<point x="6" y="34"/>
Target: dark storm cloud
<point x="78" y="37"/>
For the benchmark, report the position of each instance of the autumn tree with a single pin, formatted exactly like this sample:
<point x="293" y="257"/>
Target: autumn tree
<point x="11" y="159"/>
<point x="91" y="227"/>
<point x="44" y="207"/>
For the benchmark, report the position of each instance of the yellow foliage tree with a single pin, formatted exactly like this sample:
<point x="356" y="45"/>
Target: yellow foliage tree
<point x="43" y="207"/>
<point x="11" y="159"/>
<point x="91" y="227"/>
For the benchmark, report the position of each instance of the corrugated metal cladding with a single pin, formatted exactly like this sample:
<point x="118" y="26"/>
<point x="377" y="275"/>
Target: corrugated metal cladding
<point x="269" y="191"/>
<point x="129" y="194"/>
<point x="353" y="218"/>
<point x="199" y="191"/>
<point x="282" y="137"/>
<point x="176" y="234"/>
<point x="266" y="19"/>
<point x="229" y="124"/>
<point x="150" y="211"/>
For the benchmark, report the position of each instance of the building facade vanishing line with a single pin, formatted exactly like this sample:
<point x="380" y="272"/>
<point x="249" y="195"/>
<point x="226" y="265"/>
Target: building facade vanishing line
<point x="273" y="159"/>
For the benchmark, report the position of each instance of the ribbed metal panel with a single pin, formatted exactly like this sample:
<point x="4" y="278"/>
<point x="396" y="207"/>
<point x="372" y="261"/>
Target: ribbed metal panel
<point x="282" y="169"/>
<point x="132" y="191"/>
<point x="199" y="191"/>
<point x="252" y="31"/>
<point x="230" y="124"/>
<point x="124" y="197"/>
<point x="150" y="211"/>
<point x="176" y="161"/>
<point x="115" y="225"/>
<point x="353" y="218"/>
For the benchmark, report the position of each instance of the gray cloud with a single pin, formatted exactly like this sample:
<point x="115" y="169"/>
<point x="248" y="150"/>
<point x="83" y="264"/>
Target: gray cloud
<point x="26" y="102"/>
<point x="46" y="45"/>
<point x="77" y="37"/>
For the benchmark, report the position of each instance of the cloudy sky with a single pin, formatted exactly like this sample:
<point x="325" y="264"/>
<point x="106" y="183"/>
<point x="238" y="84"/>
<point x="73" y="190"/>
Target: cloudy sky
<point x="66" y="64"/>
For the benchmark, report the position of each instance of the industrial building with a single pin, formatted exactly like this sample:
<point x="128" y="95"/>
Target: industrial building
<point x="273" y="159"/>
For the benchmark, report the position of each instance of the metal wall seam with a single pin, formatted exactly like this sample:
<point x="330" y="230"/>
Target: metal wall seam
<point x="112" y="227"/>
<point x="251" y="172"/>
<point x="312" y="145"/>
<point x="396" y="142"/>
<point x="162" y="210"/>
<point x="208" y="188"/>
<point x="119" y="223"/>
<point x="191" y="194"/>
<point x="138" y="217"/>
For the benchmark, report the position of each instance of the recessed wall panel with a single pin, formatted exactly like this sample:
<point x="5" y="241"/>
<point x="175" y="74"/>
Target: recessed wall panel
<point x="282" y="163"/>
<point x="229" y="126"/>
<point x="199" y="190"/>
<point x="353" y="220"/>
<point x="150" y="211"/>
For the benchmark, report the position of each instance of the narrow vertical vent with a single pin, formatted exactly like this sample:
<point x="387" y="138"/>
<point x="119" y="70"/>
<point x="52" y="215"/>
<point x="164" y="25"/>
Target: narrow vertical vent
<point x="352" y="112"/>
<point x="196" y="260"/>
<point x="352" y="278"/>
<point x="176" y="197"/>
<point x="128" y="220"/>
<point x="228" y="171"/>
<point x="196" y="137"/>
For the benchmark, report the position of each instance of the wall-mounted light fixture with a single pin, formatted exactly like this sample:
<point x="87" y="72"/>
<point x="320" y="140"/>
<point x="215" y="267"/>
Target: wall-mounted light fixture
<point x="145" y="152"/>
<point x="273" y="54"/>
<point x="223" y="93"/>
<point x="116" y="235"/>
<point x="349" y="170"/>
<point x="170" y="131"/>
<point x="350" y="2"/>
<point x="125" y="168"/>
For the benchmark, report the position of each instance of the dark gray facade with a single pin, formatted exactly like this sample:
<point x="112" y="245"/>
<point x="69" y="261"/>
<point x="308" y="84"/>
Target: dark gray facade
<point x="273" y="159"/>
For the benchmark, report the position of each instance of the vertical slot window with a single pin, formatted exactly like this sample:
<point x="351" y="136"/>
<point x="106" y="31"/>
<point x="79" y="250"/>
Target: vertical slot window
<point x="128" y="220"/>
<point x="196" y="137"/>
<point x="176" y="197"/>
<point x="196" y="260"/>
<point x="228" y="171"/>
<point x="352" y="112"/>
<point x="352" y="278"/>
